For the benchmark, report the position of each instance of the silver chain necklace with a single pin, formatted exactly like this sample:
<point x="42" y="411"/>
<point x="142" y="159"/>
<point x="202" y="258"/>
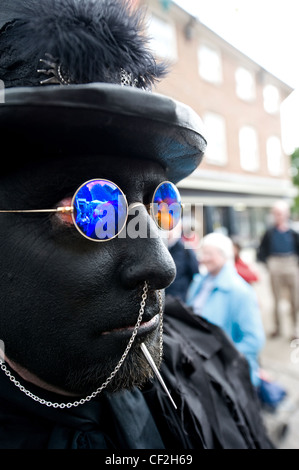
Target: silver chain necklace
<point x="113" y="373"/>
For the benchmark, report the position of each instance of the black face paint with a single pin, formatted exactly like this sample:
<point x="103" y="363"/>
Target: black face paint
<point x="68" y="304"/>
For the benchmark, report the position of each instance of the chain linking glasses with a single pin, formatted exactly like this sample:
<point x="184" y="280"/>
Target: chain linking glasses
<point x="100" y="210"/>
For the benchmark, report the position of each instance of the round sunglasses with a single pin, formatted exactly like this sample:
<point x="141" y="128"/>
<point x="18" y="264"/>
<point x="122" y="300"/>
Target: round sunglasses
<point x="100" y="210"/>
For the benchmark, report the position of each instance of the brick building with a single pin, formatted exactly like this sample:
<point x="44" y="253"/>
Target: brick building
<point x="244" y="169"/>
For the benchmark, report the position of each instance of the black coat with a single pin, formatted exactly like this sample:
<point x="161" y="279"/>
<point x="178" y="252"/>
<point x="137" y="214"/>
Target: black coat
<point x="208" y="379"/>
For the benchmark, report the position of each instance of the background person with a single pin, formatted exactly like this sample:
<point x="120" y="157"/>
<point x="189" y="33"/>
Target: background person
<point x="225" y="299"/>
<point x="186" y="263"/>
<point x="243" y="269"/>
<point x="279" y="249"/>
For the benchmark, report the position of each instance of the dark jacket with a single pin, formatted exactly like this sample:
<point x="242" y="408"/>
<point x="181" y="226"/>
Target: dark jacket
<point x="186" y="266"/>
<point x="208" y="379"/>
<point x="264" y="251"/>
<point x="210" y="382"/>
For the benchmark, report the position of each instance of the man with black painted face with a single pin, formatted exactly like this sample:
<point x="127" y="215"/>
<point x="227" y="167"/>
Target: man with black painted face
<point x="83" y="297"/>
<point x="87" y="189"/>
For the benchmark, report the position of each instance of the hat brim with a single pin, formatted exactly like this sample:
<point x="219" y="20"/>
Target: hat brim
<point x="104" y="119"/>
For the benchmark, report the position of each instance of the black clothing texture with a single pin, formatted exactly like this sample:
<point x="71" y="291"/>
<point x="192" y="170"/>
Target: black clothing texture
<point x="186" y="265"/>
<point x="119" y="421"/>
<point x="208" y="379"/>
<point x="264" y="249"/>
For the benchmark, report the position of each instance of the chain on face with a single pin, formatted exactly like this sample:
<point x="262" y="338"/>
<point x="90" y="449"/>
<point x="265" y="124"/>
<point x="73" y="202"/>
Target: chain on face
<point x="113" y="373"/>
<point x="161" y="324"/>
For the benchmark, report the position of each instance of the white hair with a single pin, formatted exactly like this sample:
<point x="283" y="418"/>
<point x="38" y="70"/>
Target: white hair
<point x="281" y="205"/>
<point x="220" y="241"/>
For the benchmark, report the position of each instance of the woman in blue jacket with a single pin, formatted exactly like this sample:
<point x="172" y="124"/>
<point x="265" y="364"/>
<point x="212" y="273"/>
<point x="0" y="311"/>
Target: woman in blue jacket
<point x="223" y="298"/>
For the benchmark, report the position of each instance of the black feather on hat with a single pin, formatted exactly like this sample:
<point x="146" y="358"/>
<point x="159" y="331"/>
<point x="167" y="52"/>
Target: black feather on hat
<point x="91" y="40"/>
<point x="90" y="49"/>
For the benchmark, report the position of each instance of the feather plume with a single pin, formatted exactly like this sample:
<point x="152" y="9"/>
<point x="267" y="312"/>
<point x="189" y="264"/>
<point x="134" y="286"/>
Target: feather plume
<point x="92" y="40"/>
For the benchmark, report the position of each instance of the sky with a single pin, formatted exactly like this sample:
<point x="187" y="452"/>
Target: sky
<point x="267" y="32"/>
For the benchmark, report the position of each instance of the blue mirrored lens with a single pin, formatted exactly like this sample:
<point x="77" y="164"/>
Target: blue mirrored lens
<point x="167" y="205"/>
<point x="100" y="209"/>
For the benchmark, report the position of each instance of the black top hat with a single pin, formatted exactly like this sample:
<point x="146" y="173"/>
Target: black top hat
<point x="77" y="75"/>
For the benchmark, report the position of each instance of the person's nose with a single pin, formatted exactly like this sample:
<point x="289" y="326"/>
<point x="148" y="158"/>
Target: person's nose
<point x="146" y="258"/>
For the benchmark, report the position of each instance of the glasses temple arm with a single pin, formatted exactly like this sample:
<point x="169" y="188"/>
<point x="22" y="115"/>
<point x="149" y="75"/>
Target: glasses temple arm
<point x="63" y="209"/>
<point x="68" y="209"/>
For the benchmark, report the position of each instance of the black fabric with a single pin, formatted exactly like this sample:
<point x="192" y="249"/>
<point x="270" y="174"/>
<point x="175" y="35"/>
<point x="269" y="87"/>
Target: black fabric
<point x="62" y="121"/>
<point x="209" y="382"/>
<point x="121" y="421"/>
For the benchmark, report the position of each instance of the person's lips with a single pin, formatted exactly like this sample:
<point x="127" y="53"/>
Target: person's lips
<point x="145" y="328"/>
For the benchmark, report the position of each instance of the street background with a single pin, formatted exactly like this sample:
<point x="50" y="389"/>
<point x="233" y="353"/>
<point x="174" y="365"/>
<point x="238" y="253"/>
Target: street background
<point x="279" y="359"/>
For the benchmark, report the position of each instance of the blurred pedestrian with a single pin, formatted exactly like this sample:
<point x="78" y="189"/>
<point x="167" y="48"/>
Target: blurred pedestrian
<point x="186" y="264"/>
<point x="279" y="249"/>
<point x="243" y="269"/>
<point x="225" y="299"/>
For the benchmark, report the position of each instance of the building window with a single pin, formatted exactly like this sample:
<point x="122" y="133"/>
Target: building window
<point x="250" y="223"/>
<point x="274" y="156"/>
<point x="271" y="99"/>
<point x="209" y="64"/>
<point x="245" y="84"/>
<point x="163" y="38"/>
<point x="216" y="151"/>
<point x="249" y="154"/>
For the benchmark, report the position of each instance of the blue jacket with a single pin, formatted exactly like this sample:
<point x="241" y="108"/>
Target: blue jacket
<point x="232" y="305"/>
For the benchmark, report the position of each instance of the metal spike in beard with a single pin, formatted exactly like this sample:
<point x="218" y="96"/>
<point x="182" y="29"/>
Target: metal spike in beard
<point x="116" y="369"/>
<point x="151" y="362"/>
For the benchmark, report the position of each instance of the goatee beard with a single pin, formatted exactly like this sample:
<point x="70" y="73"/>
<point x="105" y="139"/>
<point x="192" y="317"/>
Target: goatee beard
<point x="134" y="372"/>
